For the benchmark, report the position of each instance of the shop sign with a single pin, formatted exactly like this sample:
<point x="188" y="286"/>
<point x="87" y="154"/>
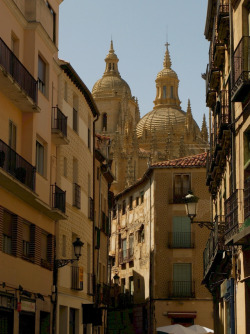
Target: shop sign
<point x="28" y="306"/>
<point x="7" y="301"/>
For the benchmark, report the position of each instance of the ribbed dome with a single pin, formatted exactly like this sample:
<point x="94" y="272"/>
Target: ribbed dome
<point x="167" y="72"/>
<point x="111" y="84"/>
<point x="161" y="120"/>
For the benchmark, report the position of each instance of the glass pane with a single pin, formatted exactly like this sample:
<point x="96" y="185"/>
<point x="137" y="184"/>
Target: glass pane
<point x="186" y="184"/>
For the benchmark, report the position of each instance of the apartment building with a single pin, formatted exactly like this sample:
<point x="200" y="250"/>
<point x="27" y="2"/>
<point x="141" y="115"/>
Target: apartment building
<point x="158" y="265"/>
<point x="226" y="256"/>
<point x="30" y="202"/>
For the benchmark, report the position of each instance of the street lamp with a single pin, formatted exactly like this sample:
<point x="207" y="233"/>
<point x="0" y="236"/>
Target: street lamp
<point x="116" y="279"/>
<point x="59" y="263"/>
<point x="191" y="204"/>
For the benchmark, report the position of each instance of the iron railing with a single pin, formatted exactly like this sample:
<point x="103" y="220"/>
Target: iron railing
<point x="181" y="239"/>
<point x="18" y="71"/>
<point x="247" y="199"/>
<point x="224" y="118"/>
<point x="59" y="121"/>
<point x="17" y="166"/>
<point x="91" y="209"/>
<point x="241" y="66"/>
<point x="76" y="278"/>
<point x="231" y="208"/>
<point x="58" y="197"/>
<point x="181" y="289"/>
<point x="76" y="195"/>
<point x="222" y="10"/>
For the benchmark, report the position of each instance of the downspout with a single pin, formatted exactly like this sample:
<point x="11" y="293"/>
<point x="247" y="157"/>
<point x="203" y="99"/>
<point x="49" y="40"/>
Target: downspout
<point x="150" y="255"/>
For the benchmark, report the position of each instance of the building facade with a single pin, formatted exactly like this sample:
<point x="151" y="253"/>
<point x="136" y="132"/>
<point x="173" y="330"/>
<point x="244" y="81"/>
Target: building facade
<point x="166" y="132"/>
<point x="157" y="252"/>
<point x="226" y="257"/>
<point x="28" y="194"/>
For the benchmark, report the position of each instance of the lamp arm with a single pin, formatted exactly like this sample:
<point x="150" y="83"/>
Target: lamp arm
<point x="59" y="263"/>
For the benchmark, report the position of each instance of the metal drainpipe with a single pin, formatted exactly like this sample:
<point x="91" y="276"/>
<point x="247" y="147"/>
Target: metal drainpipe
<point x="233" y="160"/>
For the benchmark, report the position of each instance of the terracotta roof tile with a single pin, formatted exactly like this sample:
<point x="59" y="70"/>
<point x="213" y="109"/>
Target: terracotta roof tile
<point x="198" y="160"/>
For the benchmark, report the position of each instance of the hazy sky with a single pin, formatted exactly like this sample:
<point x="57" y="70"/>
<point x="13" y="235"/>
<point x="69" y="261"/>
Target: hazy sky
<point x="139" y="29"/>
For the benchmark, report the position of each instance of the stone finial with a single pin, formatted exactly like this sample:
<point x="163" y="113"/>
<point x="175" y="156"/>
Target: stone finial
<point x="189" y="117"/>
<point x="204" y="131"/>
<point x="167" y="61"/>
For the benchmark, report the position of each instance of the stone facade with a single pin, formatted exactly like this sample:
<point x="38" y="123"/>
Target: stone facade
<point x="152" y="239"/>
<point x="167" y="132"/>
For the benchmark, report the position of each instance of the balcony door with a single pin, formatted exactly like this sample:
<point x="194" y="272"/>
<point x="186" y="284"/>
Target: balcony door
<point x="182" y="280"/>
<point x="181" y="232"/>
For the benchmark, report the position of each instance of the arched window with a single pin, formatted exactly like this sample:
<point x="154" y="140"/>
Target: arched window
<point x="113" y="66"/>
<point x="109" y="66"/>
<point x="104" y="121"/>
<point x="172" y="92"/>
<point x="164" y="92"/>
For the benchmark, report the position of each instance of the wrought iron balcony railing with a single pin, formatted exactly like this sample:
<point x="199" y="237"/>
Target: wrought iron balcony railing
<point x="231" y="208"/>
<point x="58" y="198"/>
<point x="241" y="70"/>
<point x="247" y="199"/>
<point x="76" y="278"/>
<point x="224" y="117"/>
<point x="76" y="195"/>
<point x="59" y="121"/>
<point x="18" y="71"/>
<point x="181" y="289"/>
<point x="181" y="239"/>
<point x="17" y="166"/>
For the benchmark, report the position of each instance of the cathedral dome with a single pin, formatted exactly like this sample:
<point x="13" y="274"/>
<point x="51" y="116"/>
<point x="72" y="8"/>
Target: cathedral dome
<point x="111" y="84"/>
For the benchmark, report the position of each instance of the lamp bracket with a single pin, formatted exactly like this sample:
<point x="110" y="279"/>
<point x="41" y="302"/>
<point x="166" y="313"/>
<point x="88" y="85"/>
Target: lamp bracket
<point x="208" y="225"/>
<point x="59" y="263"/>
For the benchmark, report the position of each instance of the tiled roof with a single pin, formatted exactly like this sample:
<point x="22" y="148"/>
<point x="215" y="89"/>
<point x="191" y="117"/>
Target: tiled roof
<point x="198" y="160"/>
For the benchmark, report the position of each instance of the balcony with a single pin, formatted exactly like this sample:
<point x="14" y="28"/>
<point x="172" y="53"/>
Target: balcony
<point x="231" y="208"/>
<point x="59" y="127"/>
<point x="18" y="167"/>
<point x="181" y="289"/>
<point x="76" y="278"/>
<point x="210" y="92"/>
<point x="215" y="245"/>
<point x="181" y="240"/>
<point x="76" y="196"/>
<point x="213" y="69"/>
<point x="224" y="117"/>
<point x="218" y="50"/>
<point x="58" y="197"/>
<point x="223" y="20"/>
<point x="126" y="255"/>
<point x="16" y="82"/>
<point x="91" y="209"/>
<point x="241" y="70"/>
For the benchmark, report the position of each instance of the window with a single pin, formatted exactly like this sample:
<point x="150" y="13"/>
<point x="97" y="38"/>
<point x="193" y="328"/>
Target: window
<point x="164" y="92"/>
<point x="12" y="135"/>
<point x="131" y="285"/>
<point x="7" y="232"/>
<point x="130" y="202"/>
<point x="123" y="285"/>
<point x="182" y="283"/>
<point x="41" y="75"/>
<point x="124" y="207"/>
<point x="131" y="245"/>
<point x="54" y="20"/>
<point x="181" y="236"/>
<point x="26" y="239"/>
<point x="181" y="187"/>
<point x="137" y="200"/>
<point x="104" y="121"/>
<point x="75" y="120"/>
<point x="40" y="158"/>
<point x="119" y="241"/>
<point x="171" y="92"/>
<point x="141" y="234"/>
<point x="124" y="248"/>
<point x="142" y="196"/>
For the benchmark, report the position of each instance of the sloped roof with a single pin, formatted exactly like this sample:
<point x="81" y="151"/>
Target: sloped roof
<point x="198" y="160"/>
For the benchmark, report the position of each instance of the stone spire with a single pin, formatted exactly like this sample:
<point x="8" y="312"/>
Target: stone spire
<point x="189" y="118"/>
<point x="204" y="131"/>
<point x="167" y="61"/>
<point x="111" y="62"/>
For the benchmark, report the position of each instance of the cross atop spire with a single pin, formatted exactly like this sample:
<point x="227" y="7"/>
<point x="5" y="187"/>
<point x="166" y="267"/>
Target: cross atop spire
<point x="167" y="61"/>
